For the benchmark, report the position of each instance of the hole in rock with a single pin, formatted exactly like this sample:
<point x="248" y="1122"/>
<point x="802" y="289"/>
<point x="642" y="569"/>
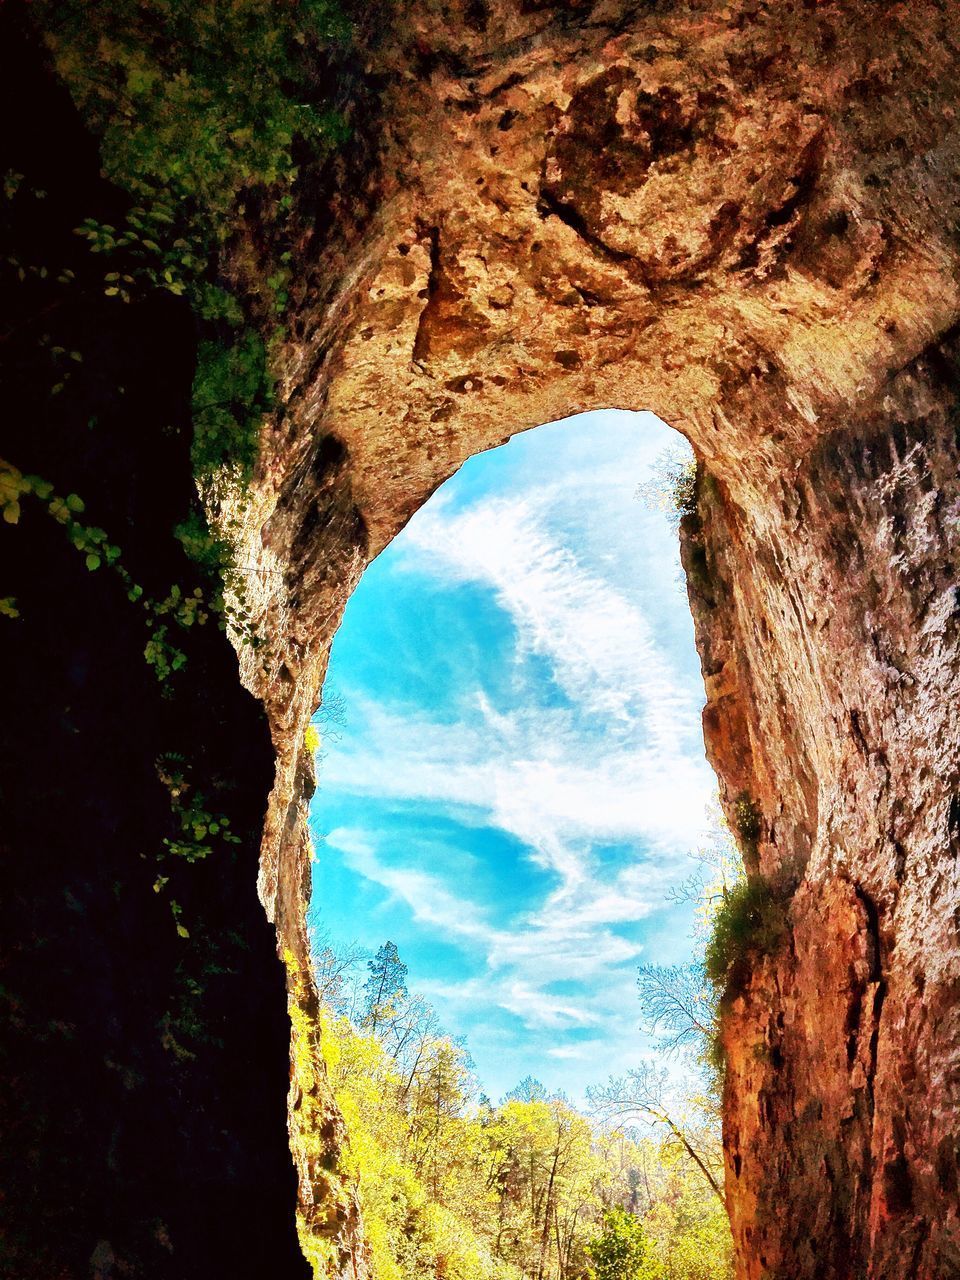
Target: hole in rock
<point x="515" y="849"/>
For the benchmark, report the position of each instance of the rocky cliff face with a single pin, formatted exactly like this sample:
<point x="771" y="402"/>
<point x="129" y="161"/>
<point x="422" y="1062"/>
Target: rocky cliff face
<point x="742" y="216"/>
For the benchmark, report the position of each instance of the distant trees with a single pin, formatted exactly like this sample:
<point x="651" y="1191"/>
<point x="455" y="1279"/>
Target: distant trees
<point x="643" y="1094"/>
<point x="454" y="1187"/>
<point x="528" y="1090"/>
<point x="679" y="1003"/>
<point x="622" y="1250"/>
<point x="385" y="990"/>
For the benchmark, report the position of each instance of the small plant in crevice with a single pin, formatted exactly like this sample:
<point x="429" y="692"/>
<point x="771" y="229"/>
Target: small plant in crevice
<point x="748" y="825"/>
<point x="748" y="819"/>
<point x="672" y="483"/>
<point x="749" y="920"/>
<point x="327" y="724"/>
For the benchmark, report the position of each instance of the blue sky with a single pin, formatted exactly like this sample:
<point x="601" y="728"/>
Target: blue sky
<point x="520" y="776"/>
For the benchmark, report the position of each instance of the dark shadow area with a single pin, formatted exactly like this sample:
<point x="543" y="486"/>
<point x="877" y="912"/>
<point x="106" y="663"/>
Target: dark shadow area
<point x="143" y="1073"/>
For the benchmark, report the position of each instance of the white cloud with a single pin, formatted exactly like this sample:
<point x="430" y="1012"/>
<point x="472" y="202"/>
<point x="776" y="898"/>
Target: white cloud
<point x="429" y="901"/>
<point x="599" y="643"/>
<point x="536" y="775"/>
<point x="521" y="959"/>
<point x="570" y="1051"/>
<point x="610" y="758"/>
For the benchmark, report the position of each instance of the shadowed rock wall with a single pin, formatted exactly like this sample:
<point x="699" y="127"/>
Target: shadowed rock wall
<point x="143" y="1074"/>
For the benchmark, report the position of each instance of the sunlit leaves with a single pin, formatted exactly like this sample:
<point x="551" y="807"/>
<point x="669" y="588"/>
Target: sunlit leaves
<point x="454" y="1187"/>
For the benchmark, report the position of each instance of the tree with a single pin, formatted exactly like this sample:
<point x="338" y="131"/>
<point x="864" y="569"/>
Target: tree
<point x="385" y="989"/>
<point x="336" y="972"/>
<point x="622" y="1250"/>
<point x="528" y="1090"/>
<point x="454" y="1188"/>
<point x="671" y="486"/>
<point x="642" y="1095"/>
<point x="679" y="1002"/>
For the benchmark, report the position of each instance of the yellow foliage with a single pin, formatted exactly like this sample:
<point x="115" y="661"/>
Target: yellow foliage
<point x="454" y="1191"/>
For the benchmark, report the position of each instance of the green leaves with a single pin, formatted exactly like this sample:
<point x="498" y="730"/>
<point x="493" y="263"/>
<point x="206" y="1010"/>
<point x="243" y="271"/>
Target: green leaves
<point x="183" y="609"/>
<point x="200" y="828"/>
<point x="199" y="107"/>
<point x="623" y="1251"/>
<point x="198" y="103"/>
<point x="163" y="656"/>
<point x="748" y="920"/>
<point x="232" y="391"/>
<point x="177" y="912"/>
<point x="14" y="485"/>
<point x="63" y="509"/>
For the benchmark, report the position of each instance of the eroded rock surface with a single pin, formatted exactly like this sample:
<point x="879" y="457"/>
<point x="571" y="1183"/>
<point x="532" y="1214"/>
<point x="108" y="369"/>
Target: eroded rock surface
<point x="742" y="216"/>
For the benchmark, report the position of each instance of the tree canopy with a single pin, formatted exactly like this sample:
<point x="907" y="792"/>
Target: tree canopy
<point x="455" y="1187"/>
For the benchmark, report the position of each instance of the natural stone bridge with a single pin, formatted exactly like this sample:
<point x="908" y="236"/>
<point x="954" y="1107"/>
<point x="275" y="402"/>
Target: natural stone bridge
<point x="742" y="216"/>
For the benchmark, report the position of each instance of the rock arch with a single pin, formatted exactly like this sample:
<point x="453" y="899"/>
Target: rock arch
<point x="741" y="216"/>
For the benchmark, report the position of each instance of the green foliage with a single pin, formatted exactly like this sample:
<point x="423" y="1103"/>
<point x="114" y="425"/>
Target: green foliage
<point x="201" y="108"/>
<point x="197" y="826"/>
<point x="232" y="391"/>
<point x="143" y="254"/>
<point x="748" y="819"/>
<point x="209" y="552"/>
<point x="90" y="541"/>
<point x="455" y="1188"/>
<point x="227" y="592"/>
<point x="14" y="485"/>
<point x="386" y="987"/>
<point x="689" y="1231"/>
<point x="200" y="827"/>
<point x="203" y="101"/>
<point x="179" y="609"/>
<point x="748" y="919"/>
<point x="622" y="1251"/>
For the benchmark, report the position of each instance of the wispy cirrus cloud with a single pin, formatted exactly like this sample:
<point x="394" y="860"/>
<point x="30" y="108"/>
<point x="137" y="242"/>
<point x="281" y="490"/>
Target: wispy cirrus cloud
<point x="579" y="741"/>
<point x="599" y="643"/>
<point x="538" y="774"/>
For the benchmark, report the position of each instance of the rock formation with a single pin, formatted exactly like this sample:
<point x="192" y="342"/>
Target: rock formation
<point x="742" y="216"/>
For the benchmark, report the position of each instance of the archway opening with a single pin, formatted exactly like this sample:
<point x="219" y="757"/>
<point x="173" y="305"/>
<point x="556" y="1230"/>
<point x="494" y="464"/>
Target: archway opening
<point x="514" y="831"/>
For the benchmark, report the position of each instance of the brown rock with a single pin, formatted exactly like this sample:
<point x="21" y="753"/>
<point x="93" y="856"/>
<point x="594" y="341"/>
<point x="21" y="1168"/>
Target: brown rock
<point x="741" y="216"/>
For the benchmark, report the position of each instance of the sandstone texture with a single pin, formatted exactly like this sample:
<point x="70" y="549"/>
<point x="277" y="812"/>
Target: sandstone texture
<point x="743" y="217"/>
